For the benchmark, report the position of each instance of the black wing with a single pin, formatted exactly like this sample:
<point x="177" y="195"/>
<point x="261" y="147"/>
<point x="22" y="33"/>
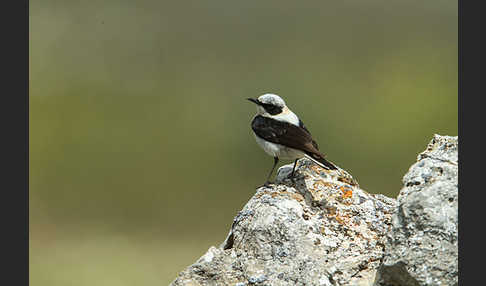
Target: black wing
<point x="301" y="124"/>
<point x="297" y="137"/>
<point x="284" y="133"/>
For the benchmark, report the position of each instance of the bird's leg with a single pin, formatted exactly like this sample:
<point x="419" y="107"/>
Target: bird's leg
<point x="293" y="170"/>
<point x="275" y="161"/>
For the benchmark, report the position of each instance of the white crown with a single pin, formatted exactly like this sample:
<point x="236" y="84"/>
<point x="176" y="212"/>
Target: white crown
<point x="270" y="98"/>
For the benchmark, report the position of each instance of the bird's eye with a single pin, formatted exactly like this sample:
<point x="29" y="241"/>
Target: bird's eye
<point x="272" y="109"/>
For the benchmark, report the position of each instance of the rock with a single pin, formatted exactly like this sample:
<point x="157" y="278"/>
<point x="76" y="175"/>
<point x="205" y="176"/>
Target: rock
<point x="421" y="248"/>
<point x="321" y="230"/>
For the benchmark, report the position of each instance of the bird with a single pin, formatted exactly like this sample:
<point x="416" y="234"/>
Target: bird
<point x="283" y="135"/>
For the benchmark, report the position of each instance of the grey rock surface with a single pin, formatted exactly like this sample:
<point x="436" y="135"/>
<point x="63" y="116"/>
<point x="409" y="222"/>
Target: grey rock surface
<point x="421" y="248"/>
<point x="323" y="229"/>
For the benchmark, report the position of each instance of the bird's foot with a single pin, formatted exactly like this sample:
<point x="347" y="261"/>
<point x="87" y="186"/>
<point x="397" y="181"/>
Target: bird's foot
<point x="267" y="184"/>
<point x="291" y="176"/>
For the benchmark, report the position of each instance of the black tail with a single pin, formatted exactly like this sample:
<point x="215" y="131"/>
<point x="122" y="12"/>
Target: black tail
<point x="321" y="161"/>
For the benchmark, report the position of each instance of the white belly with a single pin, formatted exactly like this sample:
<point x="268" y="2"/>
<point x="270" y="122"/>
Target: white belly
<point x="277" y="150"/>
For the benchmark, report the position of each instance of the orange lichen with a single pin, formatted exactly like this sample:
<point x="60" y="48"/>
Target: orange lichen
<point x="348" y="194"/>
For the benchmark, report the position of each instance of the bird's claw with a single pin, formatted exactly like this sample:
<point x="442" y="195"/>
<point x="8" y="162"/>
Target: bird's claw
<point x="292" y="177"/>
<point x="267" y="184"/>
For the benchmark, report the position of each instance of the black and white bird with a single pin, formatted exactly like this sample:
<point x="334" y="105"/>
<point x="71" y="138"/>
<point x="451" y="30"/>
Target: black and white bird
<point x="282" y="134"/>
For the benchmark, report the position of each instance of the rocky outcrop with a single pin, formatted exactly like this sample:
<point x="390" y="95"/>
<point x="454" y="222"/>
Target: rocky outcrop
<point x="421" y="248"/>
<point x="322" y="229"/>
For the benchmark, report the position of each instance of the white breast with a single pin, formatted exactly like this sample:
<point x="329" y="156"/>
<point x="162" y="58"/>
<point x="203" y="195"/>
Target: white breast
<point x="277" y="150"/>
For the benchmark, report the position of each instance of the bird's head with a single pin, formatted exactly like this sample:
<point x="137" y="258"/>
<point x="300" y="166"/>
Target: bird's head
<point x="269" y="104"/>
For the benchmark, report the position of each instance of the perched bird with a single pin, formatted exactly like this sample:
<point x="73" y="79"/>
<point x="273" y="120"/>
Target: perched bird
<point x="282" y="134"/>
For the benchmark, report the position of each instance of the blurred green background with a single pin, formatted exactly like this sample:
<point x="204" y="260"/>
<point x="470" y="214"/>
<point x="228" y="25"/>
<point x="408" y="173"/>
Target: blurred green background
<point x="140" y="147"/>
